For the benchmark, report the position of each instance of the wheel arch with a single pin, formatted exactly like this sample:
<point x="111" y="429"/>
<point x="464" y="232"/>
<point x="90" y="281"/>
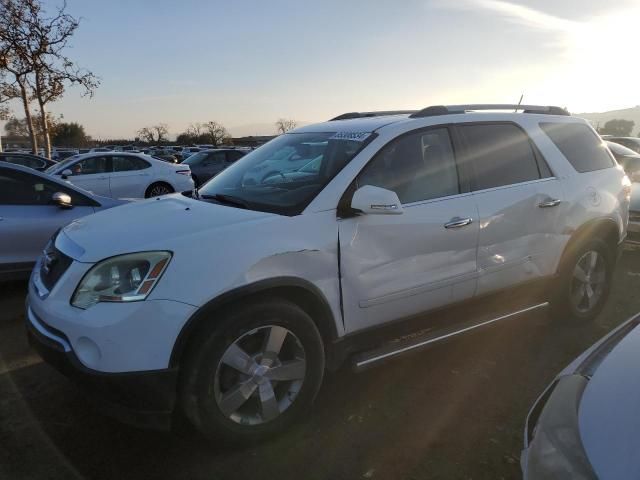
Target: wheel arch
<point x="604" y="228"/>
<point x="156" y="182"/>
<point x="296" y="290"/>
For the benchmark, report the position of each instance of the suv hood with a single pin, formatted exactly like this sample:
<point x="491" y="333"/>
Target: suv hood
<point x="149" y="225"/>
<point x="608" y="412"/>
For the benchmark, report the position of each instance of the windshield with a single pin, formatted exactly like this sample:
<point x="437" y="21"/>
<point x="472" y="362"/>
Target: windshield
<point x="284" y="175"/>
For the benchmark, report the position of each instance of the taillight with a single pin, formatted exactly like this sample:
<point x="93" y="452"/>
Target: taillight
<point x="184" y="172"/>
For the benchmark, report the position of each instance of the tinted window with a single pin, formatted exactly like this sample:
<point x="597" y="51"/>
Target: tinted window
<point x="18" y="188"/>
<point x="90" y="166"/>
<point x="499" y="154"/>
<point x="233" y="156"/>
<point x="419" y="166"/>
<point x="126" y="164"/>
<point x="26" y="161"/>
<point x="214" y="158"/>
<point x="580" y="145"/>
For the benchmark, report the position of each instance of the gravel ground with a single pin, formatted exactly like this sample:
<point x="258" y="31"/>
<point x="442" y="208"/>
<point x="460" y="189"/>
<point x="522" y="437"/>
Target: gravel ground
<point x="455" y="411"/>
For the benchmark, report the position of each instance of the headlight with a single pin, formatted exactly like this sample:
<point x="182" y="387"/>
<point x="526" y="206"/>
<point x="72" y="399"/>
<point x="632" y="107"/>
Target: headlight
<point x="125" y="278"/>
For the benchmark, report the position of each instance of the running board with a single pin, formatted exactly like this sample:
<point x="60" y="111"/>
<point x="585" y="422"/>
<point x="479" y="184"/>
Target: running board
<point x="401" y="346"/>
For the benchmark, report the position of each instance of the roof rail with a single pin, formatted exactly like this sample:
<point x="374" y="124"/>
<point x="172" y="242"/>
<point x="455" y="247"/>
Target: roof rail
<point x="350" y="115"/>
<point x="453" y="109"/>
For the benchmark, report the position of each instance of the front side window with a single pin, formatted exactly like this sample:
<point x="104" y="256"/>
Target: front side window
<point x="91" y="166"/>
<point x="580" y="145"/>
<point x="498" y="154"/>
<point x="419" y="166"/>
<point x="273" y="178"/>
<point x="19" y="188"/>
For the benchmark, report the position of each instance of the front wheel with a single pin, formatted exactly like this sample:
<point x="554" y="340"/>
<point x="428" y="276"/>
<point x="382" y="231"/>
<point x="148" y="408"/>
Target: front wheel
<point x="585" y="281"/>
<point x="253" y="373"/>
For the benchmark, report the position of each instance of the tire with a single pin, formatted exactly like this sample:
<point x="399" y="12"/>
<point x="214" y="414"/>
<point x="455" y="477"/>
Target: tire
<point x="234" y="404"/>
<point x="157" y="189"/>
<point x="573" y="302"/>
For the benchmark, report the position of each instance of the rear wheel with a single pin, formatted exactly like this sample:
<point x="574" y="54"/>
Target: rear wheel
<point x="254" y="373"/>
<point x="157" y="189"/>
<point x="584" y="282"/>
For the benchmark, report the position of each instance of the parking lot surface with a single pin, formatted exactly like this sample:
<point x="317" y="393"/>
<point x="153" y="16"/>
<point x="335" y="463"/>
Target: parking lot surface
<point x="455" y="411"/>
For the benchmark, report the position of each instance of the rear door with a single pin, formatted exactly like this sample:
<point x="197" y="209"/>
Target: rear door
<point x="130" y="176"/>
<point x="510" y="184"/>
<point x="28" y="218"/>
<point x="92" y="174"/>
<point x="395" y="266"/>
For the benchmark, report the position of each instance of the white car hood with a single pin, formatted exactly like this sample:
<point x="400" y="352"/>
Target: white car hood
<point x="609" y="412"/>
<point x="154" y="224"/>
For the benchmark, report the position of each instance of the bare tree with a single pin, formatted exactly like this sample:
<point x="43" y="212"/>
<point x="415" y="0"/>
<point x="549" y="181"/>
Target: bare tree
<point x="155" y="133"/>
<point x="216" y="133"/>
<point x="283" y="125"/>
<point x="194" y="130"/>
<point x="32" y="47"/>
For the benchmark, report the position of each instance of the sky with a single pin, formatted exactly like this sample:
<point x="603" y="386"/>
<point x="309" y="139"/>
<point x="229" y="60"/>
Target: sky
<point x="246" y="63"/>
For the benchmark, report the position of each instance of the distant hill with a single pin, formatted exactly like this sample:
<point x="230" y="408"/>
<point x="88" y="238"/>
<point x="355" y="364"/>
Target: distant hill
<point x="599" y="119"/>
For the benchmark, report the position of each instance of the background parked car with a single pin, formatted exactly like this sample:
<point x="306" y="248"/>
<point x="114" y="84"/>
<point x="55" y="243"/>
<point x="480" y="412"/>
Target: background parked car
<point x="585" y="425"/>
<point x="33" y="206"/>
<point x="630" y="142"/>
<point x="62" y="153"/>
<point x="208" y="163"/>
<point x="188" y="151"/>
<point x="164" y="154"/>
<point x="27" y="160"/>
<point x="124" y="175"/>
<point x="627" y="158"/>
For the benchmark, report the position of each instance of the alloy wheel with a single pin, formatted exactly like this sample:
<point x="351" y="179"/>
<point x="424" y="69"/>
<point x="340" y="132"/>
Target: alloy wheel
<point x="588" y="281"/>
<point x="260" y="375"/>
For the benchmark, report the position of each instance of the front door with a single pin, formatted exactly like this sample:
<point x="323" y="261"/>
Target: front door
<point x="28" y="218"/>
<point x="92" y="174"/>
<point x="395" y="266"/>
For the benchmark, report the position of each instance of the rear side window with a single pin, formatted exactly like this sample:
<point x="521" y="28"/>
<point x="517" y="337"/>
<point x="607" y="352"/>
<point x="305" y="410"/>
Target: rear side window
<point x="499" y="154"/>
<point x="585" y="151"/>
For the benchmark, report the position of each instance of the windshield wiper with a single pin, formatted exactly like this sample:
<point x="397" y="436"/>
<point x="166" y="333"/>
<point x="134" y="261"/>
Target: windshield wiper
<point x="227" y="199"/>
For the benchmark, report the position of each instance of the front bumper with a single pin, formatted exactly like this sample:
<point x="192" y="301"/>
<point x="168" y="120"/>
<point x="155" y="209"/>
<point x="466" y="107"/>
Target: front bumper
<point x="144" y="399"/>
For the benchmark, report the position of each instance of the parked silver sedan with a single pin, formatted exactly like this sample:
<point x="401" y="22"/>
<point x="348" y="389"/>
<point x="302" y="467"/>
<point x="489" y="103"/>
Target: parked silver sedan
<point x="586" y="424"/>
<point x="33" y="206"/>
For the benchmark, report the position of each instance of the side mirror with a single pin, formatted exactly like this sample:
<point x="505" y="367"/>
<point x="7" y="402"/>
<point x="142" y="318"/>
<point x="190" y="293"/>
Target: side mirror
<point x="63" y="200"/>
<point x="376" y="201"/>
<point x="66" y="173"/>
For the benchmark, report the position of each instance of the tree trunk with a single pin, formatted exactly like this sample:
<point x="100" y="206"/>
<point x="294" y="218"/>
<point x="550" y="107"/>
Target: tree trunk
<point x="28" y="117"/>
<point x="45" y="129"/>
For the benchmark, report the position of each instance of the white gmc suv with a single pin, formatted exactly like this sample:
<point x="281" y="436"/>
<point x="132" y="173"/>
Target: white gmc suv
<point x="229" y="304"/>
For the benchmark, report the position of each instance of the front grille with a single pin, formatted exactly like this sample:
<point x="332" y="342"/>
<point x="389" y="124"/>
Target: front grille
<point x="53" y="265"/>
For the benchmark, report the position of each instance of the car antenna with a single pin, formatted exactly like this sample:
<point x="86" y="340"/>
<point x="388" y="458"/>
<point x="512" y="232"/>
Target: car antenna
<point x="519" y="103"/>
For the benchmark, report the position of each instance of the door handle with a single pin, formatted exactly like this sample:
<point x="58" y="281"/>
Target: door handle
<point x="458" y="222"/>
<point x="553" y="202"/>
